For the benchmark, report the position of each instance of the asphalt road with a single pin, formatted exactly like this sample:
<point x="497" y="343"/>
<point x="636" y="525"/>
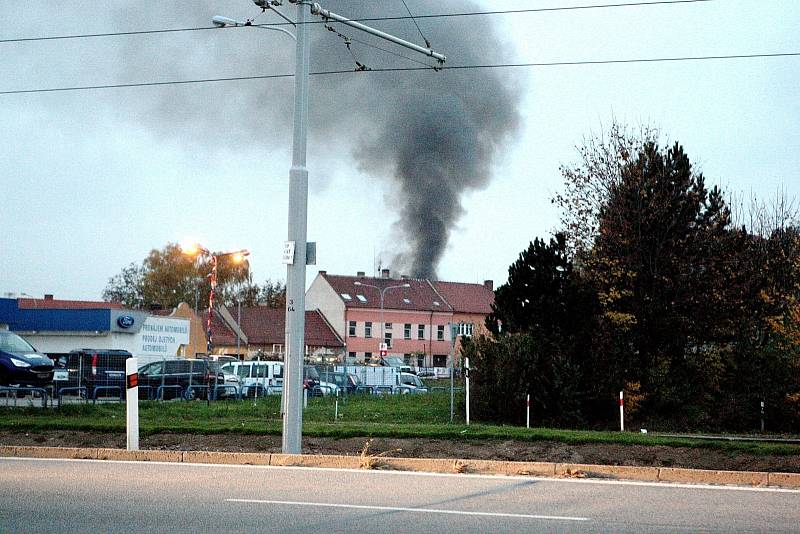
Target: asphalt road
<point x="66" y="496"/>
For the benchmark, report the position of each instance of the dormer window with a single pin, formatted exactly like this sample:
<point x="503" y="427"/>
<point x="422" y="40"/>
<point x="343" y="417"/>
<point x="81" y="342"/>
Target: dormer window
<point x="361" y="298"/>
<point x="346" y="296"/>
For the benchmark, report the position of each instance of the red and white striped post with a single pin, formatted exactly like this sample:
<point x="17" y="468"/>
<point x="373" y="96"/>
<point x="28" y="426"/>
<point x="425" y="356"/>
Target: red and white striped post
<point x="132" y="403"/>
<point x="528" y="411"/>
<point x="621" y="413"/>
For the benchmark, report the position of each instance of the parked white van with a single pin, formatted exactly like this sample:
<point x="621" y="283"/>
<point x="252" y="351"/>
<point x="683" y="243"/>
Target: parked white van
<point x="257" y="378"/>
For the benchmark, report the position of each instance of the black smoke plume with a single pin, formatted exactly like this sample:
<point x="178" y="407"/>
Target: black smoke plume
<point x="431" y="135"/>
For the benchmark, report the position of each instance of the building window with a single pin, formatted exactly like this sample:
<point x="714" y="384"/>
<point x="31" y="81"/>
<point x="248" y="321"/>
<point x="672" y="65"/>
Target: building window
<point x="351" y="355"/>
<point x="407" y="359"/>
<point x="346" y="296"/>
<point x="440" y="360"/>
<point x="440" y="332"/>
<point x="368" y="329"/>
<point x="361" y="298"/>
<point x="387" y="338"/>
<point x="277" y="349"/>
<point x="420" y="331"/>
<point x="367" y="357"/>
<point x="420" y="360"/>
<point x="465" y="329"/>
<point x="407" y="331"/>
<point x="351" y="329"/>
<point x="387" y="326"/>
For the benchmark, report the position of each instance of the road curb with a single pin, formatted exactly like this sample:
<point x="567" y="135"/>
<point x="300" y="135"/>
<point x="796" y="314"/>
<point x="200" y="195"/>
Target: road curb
<point x="428" y="465"/>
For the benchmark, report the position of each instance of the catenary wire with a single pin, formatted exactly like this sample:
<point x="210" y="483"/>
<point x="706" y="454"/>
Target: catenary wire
<point x="410" y="69"/>
<point x="427" y="42"/>
<point x="431" y="16"/>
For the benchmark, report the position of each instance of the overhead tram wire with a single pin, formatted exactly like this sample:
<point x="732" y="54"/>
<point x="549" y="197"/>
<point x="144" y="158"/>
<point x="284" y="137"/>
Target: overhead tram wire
<point x="371" y="19"/>
<point x="427" y="42"/>
<point x="412" y="69"/>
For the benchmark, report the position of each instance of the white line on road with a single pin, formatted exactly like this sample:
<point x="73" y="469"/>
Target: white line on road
<point x="414" y="510"/>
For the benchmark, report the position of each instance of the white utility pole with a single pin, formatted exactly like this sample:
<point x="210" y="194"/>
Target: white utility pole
<point x="296" y="269"/>
<point x="466" y="377"/>
<point x="296" y="248"/>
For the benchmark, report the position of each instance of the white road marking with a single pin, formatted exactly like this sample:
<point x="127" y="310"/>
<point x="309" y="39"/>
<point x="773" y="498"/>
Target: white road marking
<point x="414" y="510"/>
<point x="379" y="472"/>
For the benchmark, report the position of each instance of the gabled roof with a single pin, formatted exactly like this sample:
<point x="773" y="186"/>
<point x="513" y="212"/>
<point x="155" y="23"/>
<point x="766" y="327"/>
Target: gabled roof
<point x="53" y="304"/>
<point x="466" y="298"/>
<point x="221" y="334"/>
<point x="419" y="296"/>
<point x="267" y="326"/>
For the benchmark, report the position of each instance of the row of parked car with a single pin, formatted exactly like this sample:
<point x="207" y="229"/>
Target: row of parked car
<point x="93" y="372"/>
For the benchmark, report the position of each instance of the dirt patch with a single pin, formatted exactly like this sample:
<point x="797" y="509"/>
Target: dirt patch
<point x="541" y="451"/>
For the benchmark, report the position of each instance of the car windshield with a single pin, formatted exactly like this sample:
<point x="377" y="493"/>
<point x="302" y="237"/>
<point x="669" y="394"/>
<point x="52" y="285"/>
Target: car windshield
<point x="394" y="361"/>
<point x="411" y="380"/>
<point x="11" y="342"/>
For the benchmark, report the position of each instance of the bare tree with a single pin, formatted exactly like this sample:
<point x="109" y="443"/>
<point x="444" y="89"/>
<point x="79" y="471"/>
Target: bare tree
<point x="588" y="183"/>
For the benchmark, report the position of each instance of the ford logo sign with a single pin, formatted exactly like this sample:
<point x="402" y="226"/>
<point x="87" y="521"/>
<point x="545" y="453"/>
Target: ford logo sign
<point x="125" y="321"/>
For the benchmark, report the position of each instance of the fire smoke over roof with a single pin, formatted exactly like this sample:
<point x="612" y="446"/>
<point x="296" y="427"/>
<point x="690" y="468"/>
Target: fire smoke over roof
<point x="431" y="136"/>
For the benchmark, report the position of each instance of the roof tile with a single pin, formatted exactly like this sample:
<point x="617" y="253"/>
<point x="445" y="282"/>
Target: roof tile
<point x="419" y="296"/>
<point x="267" y="326"/>
<point x="466" y="298"/>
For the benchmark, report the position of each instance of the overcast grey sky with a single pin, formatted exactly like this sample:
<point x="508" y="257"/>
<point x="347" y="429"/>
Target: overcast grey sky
<point x="92" y="180"/>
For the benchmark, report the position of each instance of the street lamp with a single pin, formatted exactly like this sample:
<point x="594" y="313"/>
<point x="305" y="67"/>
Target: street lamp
<point x="239" y="313"/>
<point x="196" y="249"/>
<point x="296" y="248"/>
<point x="382" y="292"/>
<point x="224" y="22"/>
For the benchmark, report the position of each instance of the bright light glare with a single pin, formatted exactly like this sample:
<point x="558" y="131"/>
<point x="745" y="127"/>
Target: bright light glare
<point x="238" y="257"/>
<point x="191" y="249"/>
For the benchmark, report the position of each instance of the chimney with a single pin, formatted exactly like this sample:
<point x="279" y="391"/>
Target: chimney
<point x="385" y="273"/>
<point x="488" y="284"/>
<point x="405" y="277"/>
<point x="323" y="272"/>
<point x="361" y="274"/>
<point x="48" y="297"/>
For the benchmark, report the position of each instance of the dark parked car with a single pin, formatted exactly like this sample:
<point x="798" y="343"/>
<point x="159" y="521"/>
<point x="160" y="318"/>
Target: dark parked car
<point x="21" y="364"/>
<point x="93" y="368"/>
<point x="193" y="378"/>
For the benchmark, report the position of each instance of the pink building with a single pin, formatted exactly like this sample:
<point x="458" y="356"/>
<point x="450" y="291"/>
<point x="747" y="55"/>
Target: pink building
<point x="410" y="316"/>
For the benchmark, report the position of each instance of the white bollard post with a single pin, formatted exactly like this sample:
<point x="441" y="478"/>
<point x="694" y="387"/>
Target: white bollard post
<point x="466" y="377"/>
<point x="528" y="411"/>
<point x="132" y="403"/>
<point x="336" y="411"/>
<point x="305" y="396"/>
<point x="621" y="413"/>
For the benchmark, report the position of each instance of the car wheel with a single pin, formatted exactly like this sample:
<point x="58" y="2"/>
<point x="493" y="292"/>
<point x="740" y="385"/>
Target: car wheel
<point x="190" y="394"/>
